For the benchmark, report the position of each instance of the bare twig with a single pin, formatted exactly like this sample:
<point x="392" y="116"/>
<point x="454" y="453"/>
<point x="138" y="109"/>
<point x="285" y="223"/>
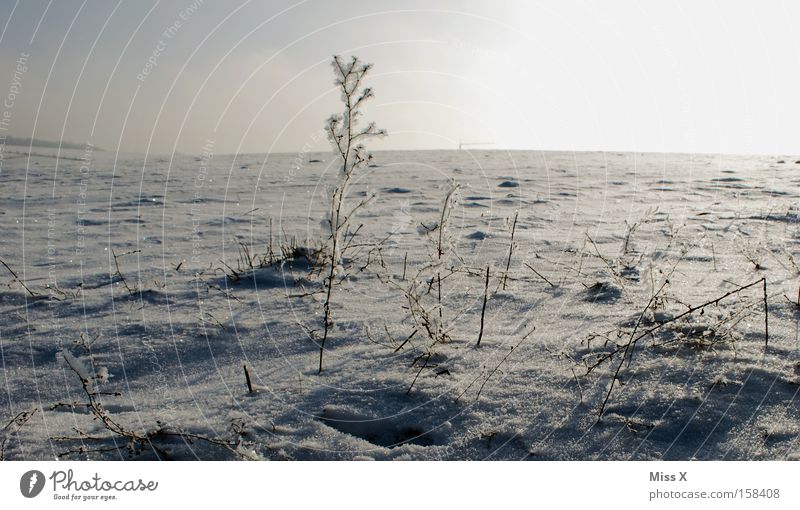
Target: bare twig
<point x="270" y="252"/>
<point x="766" y="315"/>
<point x="247" y="379"/>
<point x="578" y="384"/>
<point x="368" y="332"/>
<point x="216" y="321"/>
<point x="483" y="310"/>
<point x="406" y="340"/>
<point x="17" y="278"/>
<point x="629" y="346"/>
<point x="118" y="273"/>
<point x="641" y="316"/>
<point x="510" y="249"/>
<point x="713" y="256"/>
<point x="493" y="371"/>
<point x="427" y="357"/>
<point x="600" y="255"/>
<point x="135" y="441"/>
<point x="540" y="275"/>
<point x="625" y="348"/>
<point x="440" y="248"/>
<point x="17" y="422"/>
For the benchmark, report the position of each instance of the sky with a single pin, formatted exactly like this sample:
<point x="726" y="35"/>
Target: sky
<point x="254" y="76"/>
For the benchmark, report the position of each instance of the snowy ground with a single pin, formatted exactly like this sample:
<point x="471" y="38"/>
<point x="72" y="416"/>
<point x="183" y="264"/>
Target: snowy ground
<point x="604" y="231"/>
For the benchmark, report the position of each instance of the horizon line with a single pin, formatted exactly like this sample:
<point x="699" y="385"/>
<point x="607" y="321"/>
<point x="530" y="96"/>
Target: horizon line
<point x="71" y="145"/>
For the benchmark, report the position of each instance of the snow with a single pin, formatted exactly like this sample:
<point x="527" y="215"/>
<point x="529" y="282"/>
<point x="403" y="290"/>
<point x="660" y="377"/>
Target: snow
<point x="77" y="366"/>
<point x="603" y="230"/>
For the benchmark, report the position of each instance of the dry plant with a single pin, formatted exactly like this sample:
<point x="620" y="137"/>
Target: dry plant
<point x="423" y="292"/>
<point x="133" y="441"/>
<point x="483" y="308"/>
<point x="631" y="228"/>
<point x="18" y="279"/>
<point x="540" y="275"/>
<point x="487" y="373"/>
<point x="704" y="336"/>
<point x="12" y="428"/>
<point x="624" y="267"/>
<point x="289" y="250"/>
<point x="347" y="140"/>
<point x="753" y="255"/>
<point x="118" y="273"/>
<point x="510" y="251"/>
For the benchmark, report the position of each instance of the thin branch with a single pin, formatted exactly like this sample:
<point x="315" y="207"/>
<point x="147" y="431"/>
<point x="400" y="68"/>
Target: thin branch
<point x="537" y="273"/>
<point x="483" y="310"/>
<point x="648" y="332"/>
<point x="17" y="278"/>
<point x="629" y="346"/>
<point x="406" y="340"/>
<point x="17" y="422"/>
<point x="510" y="249"/>
<point x="766" y="316"/>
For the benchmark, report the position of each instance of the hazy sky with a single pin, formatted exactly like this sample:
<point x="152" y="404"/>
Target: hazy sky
<point x="254" y="76"/>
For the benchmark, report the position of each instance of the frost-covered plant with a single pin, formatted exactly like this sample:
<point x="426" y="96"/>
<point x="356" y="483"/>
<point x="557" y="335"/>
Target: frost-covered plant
<point x="347" y="140"/>
<point x="12" y="428"/>
<point x="423" y="293"/>
<point x="433" y="272"/>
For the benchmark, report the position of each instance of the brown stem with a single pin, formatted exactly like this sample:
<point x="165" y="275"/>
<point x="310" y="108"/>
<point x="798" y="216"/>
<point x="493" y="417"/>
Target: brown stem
<point x="33" y="294"/>
<point x="406" y="340"/>
<point x="629" y="346"/>
<point x="510" y="249"/>
<point x="632" y="341"/>
<point x="766" y="316"/>
<point x="247" y="378"/>
<point x="540" y="275"/>
<point x="483" y="311"/>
